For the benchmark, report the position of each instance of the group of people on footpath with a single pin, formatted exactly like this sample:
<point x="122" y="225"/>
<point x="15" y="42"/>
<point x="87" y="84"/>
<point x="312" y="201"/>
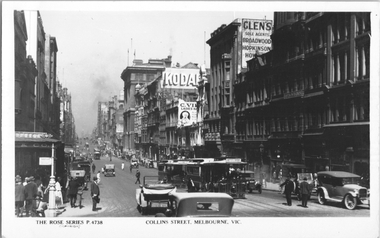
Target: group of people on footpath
<point x="31" y="196"/>
<point x="291" y="186"/>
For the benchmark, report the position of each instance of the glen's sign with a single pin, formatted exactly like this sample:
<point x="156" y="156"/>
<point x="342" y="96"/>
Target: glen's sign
<point x="255" y="38"/>
<point x="180" y="78"/>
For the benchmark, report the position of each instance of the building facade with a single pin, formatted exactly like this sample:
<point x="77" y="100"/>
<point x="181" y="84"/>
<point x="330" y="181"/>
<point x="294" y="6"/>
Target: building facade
<point x="37" y="102"/>
<point x="231" y="46"/>
<point x="136" y="74"/>
<point x="306" y="102"/>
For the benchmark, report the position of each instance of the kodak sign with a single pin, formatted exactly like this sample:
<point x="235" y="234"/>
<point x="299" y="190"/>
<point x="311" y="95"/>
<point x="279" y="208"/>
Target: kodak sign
<point x="180" y="78"/>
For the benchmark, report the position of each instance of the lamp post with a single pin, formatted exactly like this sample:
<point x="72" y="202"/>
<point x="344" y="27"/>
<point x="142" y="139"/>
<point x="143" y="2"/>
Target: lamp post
<point x="51" y="212"/>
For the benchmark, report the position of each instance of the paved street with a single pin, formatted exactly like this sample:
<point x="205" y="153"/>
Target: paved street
<point x="118" y="200"/>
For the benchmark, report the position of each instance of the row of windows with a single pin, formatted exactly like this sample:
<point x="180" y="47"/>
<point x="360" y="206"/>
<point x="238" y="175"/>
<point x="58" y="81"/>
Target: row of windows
<point x="313" y="117"/>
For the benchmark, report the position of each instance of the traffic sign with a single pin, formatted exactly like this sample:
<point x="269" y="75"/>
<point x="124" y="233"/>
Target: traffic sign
<point x="45" y="160"/>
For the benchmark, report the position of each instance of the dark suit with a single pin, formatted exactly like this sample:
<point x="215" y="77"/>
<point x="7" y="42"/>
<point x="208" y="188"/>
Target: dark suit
<point x="289" y="187"/>
<point x="305" y="192"/>
<point x="73" y="191"/>
<point x="95" y="193"/>
<point x="30" y="195"/>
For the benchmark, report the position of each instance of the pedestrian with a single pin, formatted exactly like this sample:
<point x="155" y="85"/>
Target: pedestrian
<point x="190" y="185"/>
<point x="137" y="176"/>
<point x="289" y="187"/>
<point x="122" y="166"/>
<point x="95" y="193"/>
<point x="19" y="196"/>
<point x="30" y="196"/>
<point x="98" y="176"/>
<point x="130" y="168"/>
<point x="58" y="193"/>
<point x="73" y="191"/>
<point x="305" y="192"/>
<point x="41" y="205"/>
<point x="93" y="168"/>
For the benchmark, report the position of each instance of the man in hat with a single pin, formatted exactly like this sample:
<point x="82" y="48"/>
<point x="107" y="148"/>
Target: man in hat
<point x="73" y="191"/>
<point x="19" y="196"/>
<point x="95" y="192"/>
<point x="289" y="188"/>
<point x="30" y="195"/>
<point x="305" y="192"/>
<point x="137" y="176"/>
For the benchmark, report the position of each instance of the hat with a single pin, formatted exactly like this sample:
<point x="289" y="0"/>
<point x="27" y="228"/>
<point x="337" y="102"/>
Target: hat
<point x="304" y="178"/>
<point x="27" y="179"/>
<point x="31" y="178"/>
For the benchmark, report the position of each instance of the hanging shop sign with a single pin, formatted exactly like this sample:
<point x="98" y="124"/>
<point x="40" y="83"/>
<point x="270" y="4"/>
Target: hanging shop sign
<point x="255" y="38"/>
<point x="181" y="78"/>
<point x="187" y="113"/>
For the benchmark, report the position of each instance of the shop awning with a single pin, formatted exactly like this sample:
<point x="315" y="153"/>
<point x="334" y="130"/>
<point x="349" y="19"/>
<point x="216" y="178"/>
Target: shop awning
<point x="366" y="123"/>
<point x="34" y="140"/>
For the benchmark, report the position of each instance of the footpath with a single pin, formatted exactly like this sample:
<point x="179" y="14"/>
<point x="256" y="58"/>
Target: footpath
<point x="85" y="209"/>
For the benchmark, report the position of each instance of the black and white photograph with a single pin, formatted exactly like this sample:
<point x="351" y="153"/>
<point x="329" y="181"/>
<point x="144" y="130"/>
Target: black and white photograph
<point x="190" y="118"/>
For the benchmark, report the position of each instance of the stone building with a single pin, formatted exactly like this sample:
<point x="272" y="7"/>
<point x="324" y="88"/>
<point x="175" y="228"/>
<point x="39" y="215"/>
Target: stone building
<point x="306" y="102"/>
<point x="136" y="74"/>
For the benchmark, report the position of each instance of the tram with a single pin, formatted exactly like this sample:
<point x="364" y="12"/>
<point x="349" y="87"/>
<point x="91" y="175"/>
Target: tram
<point x="218" y="175"/>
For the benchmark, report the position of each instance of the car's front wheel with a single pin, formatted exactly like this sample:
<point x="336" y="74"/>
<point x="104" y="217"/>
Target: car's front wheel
<point x="350" y="202"/>
<point x="321" y="198"/>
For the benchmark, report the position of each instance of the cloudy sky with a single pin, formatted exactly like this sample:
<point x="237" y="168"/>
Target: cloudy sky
<point x="94" y="40"/>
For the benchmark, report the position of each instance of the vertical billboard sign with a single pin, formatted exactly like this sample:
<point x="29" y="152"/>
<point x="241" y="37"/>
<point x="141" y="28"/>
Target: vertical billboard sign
<point x="182" y="78"/>
<point x="255" y="38"/>
<point x="187" y="113"/>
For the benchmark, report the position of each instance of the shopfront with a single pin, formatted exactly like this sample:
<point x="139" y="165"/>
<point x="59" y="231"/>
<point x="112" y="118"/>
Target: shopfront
<point x="29" y="147"/>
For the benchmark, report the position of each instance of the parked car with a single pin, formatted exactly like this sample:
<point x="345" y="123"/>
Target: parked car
<point x="343" y="187"/>
<point x="109" y="169"/>
<point x="148" y="163"/>
<point x="202" y="204"/>
<point x="153" y="193"/>
<point x="251" y="183"/>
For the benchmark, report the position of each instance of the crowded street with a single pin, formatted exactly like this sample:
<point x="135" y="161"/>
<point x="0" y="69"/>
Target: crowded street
<point x="118" y="199"/>
<point x="126" y="111"/>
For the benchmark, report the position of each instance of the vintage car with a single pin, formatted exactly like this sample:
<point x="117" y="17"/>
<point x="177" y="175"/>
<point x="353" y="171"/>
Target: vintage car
<point x="202" y="204"/>
<point x="109" y="170"/>
<point x="343" y="187"/>
<point x="97" y="155"/>
<point x="134" y="163"/>
<point x="153" y="193"/>
<point x="251" y="183"/>
<point x="148" y="163"/>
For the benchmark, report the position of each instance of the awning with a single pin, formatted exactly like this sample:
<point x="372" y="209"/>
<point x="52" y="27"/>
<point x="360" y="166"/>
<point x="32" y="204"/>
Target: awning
<point x="34" y="140"/>
<point x="366" y="123"/>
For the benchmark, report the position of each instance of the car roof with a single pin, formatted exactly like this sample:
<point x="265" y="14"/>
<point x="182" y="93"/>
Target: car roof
<point x="338" y="174"/>
<point x="201" y="195"/>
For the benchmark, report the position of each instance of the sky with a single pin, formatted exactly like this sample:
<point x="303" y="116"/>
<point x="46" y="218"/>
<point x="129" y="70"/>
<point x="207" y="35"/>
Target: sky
<point x="94" y="47"/>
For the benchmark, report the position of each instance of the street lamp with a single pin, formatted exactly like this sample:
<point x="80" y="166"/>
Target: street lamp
<point x="51" y="212"/>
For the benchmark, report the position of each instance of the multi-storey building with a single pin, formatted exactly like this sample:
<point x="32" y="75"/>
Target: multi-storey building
<point x="67" y="127"/>
<point x="36" y="49"/>
<point x="231" y="46"/>
<point x="307" y="101"/>
<point x="160" y="104"/>
<point x="37" y="109"/>
<point x="202" y="113"/>
<point x="51" y="96"/>
<point x="25" y="73"/>
<point x="136" y="74"/>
